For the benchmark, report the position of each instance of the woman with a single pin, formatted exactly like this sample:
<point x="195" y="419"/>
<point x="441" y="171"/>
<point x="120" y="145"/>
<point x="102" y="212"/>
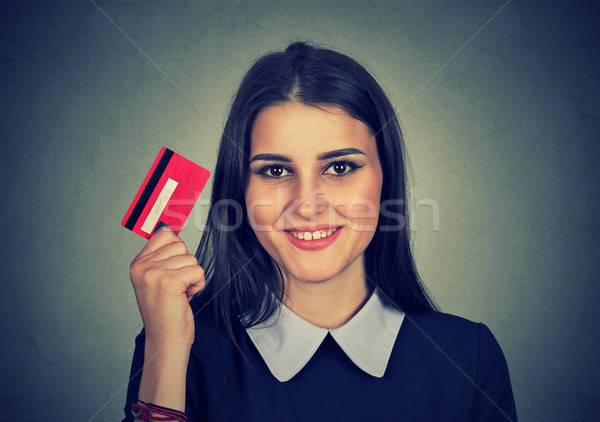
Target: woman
<point x="312" y="308"/>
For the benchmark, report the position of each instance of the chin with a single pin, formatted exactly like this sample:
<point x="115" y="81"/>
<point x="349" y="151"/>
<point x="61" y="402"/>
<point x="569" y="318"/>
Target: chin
<point x="313" y="280"/>
<point x="310" y="276"/>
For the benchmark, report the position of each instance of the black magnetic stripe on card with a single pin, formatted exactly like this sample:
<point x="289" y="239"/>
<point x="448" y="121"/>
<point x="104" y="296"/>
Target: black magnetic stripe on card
<point x="145" y="196"/>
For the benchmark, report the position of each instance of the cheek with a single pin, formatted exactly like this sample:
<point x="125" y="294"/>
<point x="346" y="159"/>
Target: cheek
<point x="260" y="208"/>
<point x="361" y="206"/>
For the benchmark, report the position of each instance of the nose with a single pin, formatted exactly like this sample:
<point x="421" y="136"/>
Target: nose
<point x="309" y="197"/>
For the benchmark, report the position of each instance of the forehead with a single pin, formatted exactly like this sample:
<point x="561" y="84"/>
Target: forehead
<point x="295" y="128"/>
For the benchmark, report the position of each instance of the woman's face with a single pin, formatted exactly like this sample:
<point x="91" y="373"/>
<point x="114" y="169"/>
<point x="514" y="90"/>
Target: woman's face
<point x="314" y="189"/>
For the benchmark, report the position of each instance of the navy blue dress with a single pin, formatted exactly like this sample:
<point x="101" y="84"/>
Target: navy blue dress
<point x="442" y="368"/>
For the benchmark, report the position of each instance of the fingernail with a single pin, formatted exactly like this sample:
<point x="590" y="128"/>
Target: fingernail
<point x="159" y="226"/>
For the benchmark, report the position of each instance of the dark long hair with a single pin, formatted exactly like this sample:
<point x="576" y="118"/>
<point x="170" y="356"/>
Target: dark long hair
<point x="241" y="276"/>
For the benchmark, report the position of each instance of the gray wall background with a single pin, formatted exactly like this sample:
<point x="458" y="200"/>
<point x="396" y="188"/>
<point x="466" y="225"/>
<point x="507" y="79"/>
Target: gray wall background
<point x="501" y="121"/>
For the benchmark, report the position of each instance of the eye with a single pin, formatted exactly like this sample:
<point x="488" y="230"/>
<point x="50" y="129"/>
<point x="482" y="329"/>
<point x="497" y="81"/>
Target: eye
<point x="274" y="171"/>
<point x="340" y="168"/>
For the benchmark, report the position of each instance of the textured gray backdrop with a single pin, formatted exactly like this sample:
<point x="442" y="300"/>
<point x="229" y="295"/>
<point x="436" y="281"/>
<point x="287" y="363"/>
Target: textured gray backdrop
<point x="501" y="122"/>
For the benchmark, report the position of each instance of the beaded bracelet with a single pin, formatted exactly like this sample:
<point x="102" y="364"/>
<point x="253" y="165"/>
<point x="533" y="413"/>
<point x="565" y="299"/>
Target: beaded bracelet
<point x="145" y="412"/>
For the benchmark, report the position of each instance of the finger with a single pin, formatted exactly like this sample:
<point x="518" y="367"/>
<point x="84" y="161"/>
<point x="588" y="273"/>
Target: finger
<point x="192" y="275"/>
<point x="193" y="289"/>
<point x="159" y="226"/>
<point x="174" y="262"/>
<point x="162" y="238"/>
<point x="167" y="251"/>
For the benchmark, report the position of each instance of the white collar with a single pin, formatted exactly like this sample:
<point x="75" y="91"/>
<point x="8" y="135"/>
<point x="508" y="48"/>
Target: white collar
<point x="287" y="342"/>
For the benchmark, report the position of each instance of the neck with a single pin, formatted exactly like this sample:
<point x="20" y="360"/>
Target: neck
<point x="330" y="303"/>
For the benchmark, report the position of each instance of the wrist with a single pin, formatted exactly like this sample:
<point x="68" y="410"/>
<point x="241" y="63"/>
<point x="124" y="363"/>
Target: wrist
<point x="165" y="348"/>
<point x="151" y="412"/>
<point x="164" y="375"/>
<point x="178" y="341"/>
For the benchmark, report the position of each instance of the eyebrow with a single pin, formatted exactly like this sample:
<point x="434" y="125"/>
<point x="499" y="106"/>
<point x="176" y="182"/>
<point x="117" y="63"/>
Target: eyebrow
<point x="323" y="156"/>
<point x="339" y="153"/>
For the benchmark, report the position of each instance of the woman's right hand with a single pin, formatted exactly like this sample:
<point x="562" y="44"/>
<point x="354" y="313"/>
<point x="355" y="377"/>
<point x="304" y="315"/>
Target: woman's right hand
<point x="165" y="277"/>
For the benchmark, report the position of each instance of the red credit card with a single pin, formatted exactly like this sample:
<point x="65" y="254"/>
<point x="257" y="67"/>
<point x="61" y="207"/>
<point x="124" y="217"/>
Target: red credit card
<point x="168" y="194"/>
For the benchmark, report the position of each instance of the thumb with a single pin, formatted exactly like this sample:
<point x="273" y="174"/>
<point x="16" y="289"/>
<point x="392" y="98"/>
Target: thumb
<point x="192" y="290"/>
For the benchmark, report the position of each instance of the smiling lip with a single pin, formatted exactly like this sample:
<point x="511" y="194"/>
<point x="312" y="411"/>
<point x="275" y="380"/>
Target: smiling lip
<point x="315" y="244"/>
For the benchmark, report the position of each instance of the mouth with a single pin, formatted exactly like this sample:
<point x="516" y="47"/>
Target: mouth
<point x="313" y="238"/>
<point x="312" y="235"/>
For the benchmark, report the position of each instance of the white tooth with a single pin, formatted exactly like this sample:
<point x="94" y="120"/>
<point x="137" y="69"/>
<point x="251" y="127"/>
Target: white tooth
<point x="299" y="235"/>
<point x="307" y="236"/>
<point x="316" y="235"/>
<point x="323" y="234"/>
<point x="329" y="232"/>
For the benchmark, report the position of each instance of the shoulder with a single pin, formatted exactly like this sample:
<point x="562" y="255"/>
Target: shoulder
<point x="453" y="336"/>
<point x="463" y="355"/>
<point x="203" y="312"/>
<point x="472" y="350"/>
<point x="206" y="318"/>
<point x="455" y="327"/>
<point x="211" y="334"/>
<point x="440" y="324"/>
